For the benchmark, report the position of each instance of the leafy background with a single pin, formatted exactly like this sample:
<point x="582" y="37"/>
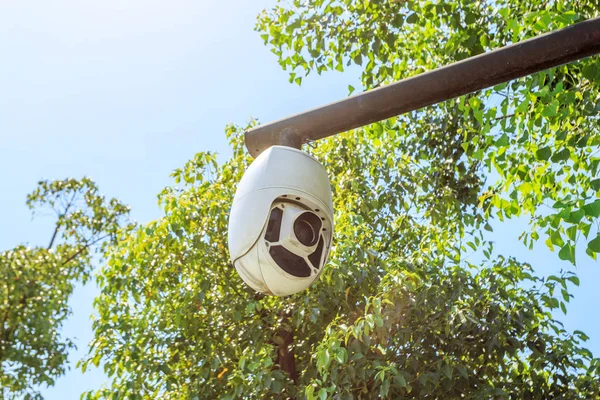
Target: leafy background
<point x="120" y="154"/>
<point x="133" y="107"/>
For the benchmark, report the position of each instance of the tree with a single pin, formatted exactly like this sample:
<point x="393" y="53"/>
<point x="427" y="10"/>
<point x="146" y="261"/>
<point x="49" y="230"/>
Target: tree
<point x="36" y="283"/>
<point x="539" y="133"/>
<point x="415" y="302"/>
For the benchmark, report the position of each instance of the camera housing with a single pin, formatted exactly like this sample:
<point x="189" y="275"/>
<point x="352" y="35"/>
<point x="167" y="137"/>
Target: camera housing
<point x="281" y="222"/>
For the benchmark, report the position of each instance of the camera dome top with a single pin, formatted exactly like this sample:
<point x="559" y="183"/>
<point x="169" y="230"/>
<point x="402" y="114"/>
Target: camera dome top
<point x="283" y="173"/>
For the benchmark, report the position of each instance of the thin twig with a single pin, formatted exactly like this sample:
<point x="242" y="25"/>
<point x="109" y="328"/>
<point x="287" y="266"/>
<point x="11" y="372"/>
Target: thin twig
<point x="58" y="224"/>
<point x="504" y="116"/>
<point x="82" y="249"/>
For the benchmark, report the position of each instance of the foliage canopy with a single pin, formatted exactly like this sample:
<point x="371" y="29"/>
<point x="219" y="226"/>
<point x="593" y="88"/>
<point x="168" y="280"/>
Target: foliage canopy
<point x="36" y="282"/>
<point x="415" y="302"/>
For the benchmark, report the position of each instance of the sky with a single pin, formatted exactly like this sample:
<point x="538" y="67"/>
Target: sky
<point x="125" y="92"/>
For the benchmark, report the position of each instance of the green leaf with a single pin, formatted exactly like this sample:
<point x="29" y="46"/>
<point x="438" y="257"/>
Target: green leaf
<point x="164" y="368"/>
<point x="400" y="381"/>
<point x="384" y="388"/>
<point x="592" y="209"/>
<point x="575" y="216"/>
<point x="470" y="18"/>
<point x="502" y="141"/>
<point x="561" y="155"/>
<point x="543" y="23"/>
<point x="567" y="253"/>
<point x="543" y="154"/>
<point x="590" y="71"/>
<point x="585" y="229"/>
<point x="322" y="394"/>
<point x="483" y="39"/>
<point x="556" y="239"/>
<point x="551" y="109"/>
<point x="341" y="355"/>
<point x="447" y="371"/>
<point x="323" y="358"/>
<point x="378" y="129"/>
<point x="594" y="245"/>
<point x="563" y="307"/>
<point x="412" y="18"/>
<point x="523" y="106"/>
<point x="582" y="335"/>
<point x="572" y="232"/>
<point x="574" y="279"/>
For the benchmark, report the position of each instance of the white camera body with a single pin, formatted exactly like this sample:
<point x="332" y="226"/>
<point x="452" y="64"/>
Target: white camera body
<point x="281" y="222"/>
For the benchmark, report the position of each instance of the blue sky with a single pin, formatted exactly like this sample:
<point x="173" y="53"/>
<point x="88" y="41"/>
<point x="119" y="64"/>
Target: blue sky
<point x="125" y="92"/>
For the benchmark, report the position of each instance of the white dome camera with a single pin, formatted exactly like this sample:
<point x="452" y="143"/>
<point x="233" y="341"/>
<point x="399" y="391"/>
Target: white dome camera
<point x="281" y="222"/>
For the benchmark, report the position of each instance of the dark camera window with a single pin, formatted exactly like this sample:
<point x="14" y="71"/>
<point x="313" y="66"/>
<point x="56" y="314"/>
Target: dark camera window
<point x="289" y="262"/>
<point x="274" y="225"/>
<point x="307" y="227"/>
<point x="315" y="258"/>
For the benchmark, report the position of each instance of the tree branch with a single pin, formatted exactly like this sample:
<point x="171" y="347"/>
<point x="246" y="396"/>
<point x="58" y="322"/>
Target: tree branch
<point x="78" y="252"/>
<point x="285" y="356"/>
<point x="58" y="224"/>
<point x="505" y="116"/>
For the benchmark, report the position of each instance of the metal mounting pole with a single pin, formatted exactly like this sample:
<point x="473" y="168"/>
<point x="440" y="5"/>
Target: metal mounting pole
<point x="485" y="70"/>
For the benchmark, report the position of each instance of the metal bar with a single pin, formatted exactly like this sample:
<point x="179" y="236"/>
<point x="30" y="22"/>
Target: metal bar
<point x="485" y="70"/>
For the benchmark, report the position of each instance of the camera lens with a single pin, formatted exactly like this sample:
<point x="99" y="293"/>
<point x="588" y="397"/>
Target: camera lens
<point x="304" y="232"/>
<point x="306" y="228"/>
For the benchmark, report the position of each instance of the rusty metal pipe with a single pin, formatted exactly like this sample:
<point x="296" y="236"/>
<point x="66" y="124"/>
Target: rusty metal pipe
<point x="485" y="70"/>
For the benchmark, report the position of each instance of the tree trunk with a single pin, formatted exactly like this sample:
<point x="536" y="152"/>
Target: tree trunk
<point x="285" y="356"/>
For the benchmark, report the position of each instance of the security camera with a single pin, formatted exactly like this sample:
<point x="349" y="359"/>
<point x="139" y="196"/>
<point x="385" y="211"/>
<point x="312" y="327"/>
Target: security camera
<point x="281" y="222"/>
